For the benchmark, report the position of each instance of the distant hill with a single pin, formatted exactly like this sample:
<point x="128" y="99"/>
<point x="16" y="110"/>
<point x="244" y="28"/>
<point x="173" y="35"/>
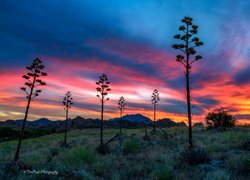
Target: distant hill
<point x="166" y="122"/>
<point x="128" y="121"/>
<point x="40" y="122"/>
<point x="36" y="124"/>
<point x="133" y="118"/>
<point x="81" y="123"/>
<point x="139" y="120"/>
<point x="181" y="124"/>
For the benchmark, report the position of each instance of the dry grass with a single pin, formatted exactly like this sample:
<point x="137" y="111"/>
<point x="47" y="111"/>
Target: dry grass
<point x="158" y="158"/>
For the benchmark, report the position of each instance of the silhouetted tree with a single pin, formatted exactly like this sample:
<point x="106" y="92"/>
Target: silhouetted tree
<point x="220" y="119"/>
<point x="187" y="47"/>
<point x="67" y="102"/>
<point x="155" y="99"/>
<point x="121" y="107"/>
<point x="103" y="89"/>
<point x="32" y="82"/>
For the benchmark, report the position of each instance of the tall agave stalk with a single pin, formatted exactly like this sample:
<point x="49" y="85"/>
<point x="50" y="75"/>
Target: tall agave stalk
<point x="154" y="100"/>
<point x="103" y="89"/>
<point x="67" y="102"/>
<point x="121" y="107"/>
<point x="187" y="45"/>
<point x="32" y="82"/>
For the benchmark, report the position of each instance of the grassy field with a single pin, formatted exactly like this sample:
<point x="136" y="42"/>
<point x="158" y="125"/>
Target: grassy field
<point x="158" y="158"/>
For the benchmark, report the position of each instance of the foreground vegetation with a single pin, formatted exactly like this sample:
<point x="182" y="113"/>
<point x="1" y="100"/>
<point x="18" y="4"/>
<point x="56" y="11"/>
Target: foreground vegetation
<point x="158" y="158"/>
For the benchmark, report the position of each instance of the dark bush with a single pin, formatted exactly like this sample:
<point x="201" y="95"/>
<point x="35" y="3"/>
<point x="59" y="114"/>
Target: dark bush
<point x="194" y="156"/>
<point x="146" y="138"/>
<point x="13" y="168"/>
<point x="131" y="146"/>
<point x="220" y="119"/>
<point x="165" y="173"/>
<point x="246" y="164"/>
<point x="86" y="155"/>
<point x="104" y="149"/>
<point x="54" y="151"/>
<point x="246" y="144"/>
<point x="8" y="132"/>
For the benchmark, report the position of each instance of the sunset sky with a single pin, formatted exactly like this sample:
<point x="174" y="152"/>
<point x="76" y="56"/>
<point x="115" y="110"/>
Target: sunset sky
<point x="130" y="41"/>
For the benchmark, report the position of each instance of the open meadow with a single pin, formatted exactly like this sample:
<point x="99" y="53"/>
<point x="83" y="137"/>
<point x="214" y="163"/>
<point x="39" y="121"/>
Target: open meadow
<point x="131" y="157"/>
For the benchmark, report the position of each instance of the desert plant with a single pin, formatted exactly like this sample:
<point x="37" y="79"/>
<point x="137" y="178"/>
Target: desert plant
<point x="67" y="102"/>
<point x="246" y="164"/>
<point x="103" y="89"/>
<point x="54" y="151"/>
<point x="154" y="100"/>
<point x="187" y="47"/>
<point x="14" y="167"/>
<point x="32" y="81"/>
<point x="164" y="173"/>
<point x="194" y="156"/>
<point x="76" y="157"/>
<point x="131" y="146"/>
<point x="86" y="155"/>
<point x="7" y="133"/>
<point x="146" y="137"/>
<point x="220" y="119"/>
<point x="246" y="144"/>
<point x="121" y="107"/>
<point x="218" y="174"/>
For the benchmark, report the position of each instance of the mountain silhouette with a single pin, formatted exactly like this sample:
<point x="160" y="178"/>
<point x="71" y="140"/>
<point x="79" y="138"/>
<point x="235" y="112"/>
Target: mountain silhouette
<point x="38" y="122"/>
<point x="166" y="122"/>
<point x="133" y="118"/>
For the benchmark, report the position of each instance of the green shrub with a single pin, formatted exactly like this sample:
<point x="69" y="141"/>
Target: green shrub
<point x="77" y="157"/>
<point x="194" y="156"/>
<point x="35" y="158"/>
<point x="246" y="164"/>
<point x="131" y="146"/>
<point x="82" y="174"/>
<point x="54" y="151"/>
<point x="102" y="169"/>
<point x="103" y="149"/>
<point x="246" y="144"/>
<point x="239" y="163"/>
<point x="219" y="174"/>
<point x="87" y="155"/>
<point x="165" y="173"/>
<point x="235" y="137"/>
<point x="13" y="168"/>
